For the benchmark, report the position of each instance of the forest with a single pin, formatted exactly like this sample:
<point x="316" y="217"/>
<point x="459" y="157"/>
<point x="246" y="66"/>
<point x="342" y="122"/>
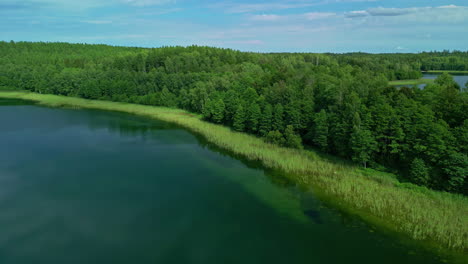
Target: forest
<point x="338" y="104"/>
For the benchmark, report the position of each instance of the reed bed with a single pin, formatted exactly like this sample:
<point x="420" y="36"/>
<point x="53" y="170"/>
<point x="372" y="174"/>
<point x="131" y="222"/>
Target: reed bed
<point x="437" y="217"/>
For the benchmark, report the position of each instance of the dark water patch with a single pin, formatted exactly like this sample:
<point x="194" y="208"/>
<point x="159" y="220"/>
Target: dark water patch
<point x="314" y="215"/>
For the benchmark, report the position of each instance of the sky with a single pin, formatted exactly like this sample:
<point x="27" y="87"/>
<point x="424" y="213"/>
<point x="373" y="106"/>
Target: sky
<point x="255" y="25"/>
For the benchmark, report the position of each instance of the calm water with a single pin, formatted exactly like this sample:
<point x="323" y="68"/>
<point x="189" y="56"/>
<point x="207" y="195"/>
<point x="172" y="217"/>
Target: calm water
<point x="83" y="186"/>
<point x="460" y="79"/>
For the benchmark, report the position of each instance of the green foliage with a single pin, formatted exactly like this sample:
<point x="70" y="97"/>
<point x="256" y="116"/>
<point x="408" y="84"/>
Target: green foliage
<point x="292" y="140"/>
<point x="320" y="137"/>
<point x="278" y="113"/>
<point x="275" y="137"/>
<point x="419" y="173"/>
<point x="455" y="166"/>
<point x="266" y="120"/>
<point x="239" y="119"/>
<point x="218" y="111"/>
<point x="254" y="115"/>
<point x="322" y="96"/>
<point x="363" y="145"/>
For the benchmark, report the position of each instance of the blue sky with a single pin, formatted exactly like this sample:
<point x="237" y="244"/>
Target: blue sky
<point x="255" y="25"/>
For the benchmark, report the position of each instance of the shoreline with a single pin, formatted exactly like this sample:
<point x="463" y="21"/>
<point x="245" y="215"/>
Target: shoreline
<point x="411" y="82"/>
<point x="447" y="71"/>
<point x="437" y="218"/>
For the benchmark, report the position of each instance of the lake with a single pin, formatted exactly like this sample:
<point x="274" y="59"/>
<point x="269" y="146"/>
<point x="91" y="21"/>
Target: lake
<point x="461" y="80"/>
<point x="86" y="186"/>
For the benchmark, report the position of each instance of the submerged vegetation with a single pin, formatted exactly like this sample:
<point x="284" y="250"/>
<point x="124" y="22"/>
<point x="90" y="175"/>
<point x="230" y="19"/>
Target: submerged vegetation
<point x="420" y="213"/>
<point x="447" y="71"/>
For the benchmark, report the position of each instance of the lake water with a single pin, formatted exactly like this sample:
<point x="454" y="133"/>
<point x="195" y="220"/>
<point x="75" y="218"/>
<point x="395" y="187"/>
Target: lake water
<point x="84" y="186"/>
<point x="460" y="79"/>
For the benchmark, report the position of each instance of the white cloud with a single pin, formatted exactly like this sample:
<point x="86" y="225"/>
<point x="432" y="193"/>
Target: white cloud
<point x="291" y="18"/>
<point x="449" y="6"/>
<point x="318" y="15"/>
<point x="358" y="13"/>
<point x="449" y="13"/>
<point x="380" y="11"/>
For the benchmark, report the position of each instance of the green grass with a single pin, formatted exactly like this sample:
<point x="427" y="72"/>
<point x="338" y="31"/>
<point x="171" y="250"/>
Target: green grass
<point x="442" y="71"/>
<point x="438" y="218"/>
<point x="411" y="82"/>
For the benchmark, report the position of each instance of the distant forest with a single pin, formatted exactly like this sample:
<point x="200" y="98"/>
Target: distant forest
<point x="340" y="104"/>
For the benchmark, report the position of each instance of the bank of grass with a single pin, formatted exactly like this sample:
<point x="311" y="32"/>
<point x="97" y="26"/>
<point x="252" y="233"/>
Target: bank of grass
<point x="436" y="217"/>
<point x="411" y="82"/>
<point x="447" y="71"/>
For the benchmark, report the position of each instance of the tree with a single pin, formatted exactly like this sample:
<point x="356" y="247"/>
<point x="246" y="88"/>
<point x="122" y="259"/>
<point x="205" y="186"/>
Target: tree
<point x="167" y="98"/>
<point x="207" y="109"/>
<point x="278" y="123"/>
<point x="446" y="79"/>
<point x="363" y="145"/>
<point x="218" y="111"/>
<point x="265" y="120"/>
<point x="254" y="114"/>
<point x="275" y="137"/>
<point x="320" y="137"/>
<point x="292" y="140"/>
<point x="455" y="167"/>
<point x="231" y="101"/>
<point x="239" y="119"/>
<point x="419" y="173"/>
<point x="293" y="115"/>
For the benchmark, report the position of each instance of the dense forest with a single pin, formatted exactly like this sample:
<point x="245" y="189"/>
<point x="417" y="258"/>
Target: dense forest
<point x="340" y="104"/>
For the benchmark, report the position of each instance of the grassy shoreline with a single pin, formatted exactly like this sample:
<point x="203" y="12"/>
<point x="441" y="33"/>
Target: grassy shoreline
<point x="436" y="217"/>
<point x="447" y="71"/>
<point x="411" y="82"/>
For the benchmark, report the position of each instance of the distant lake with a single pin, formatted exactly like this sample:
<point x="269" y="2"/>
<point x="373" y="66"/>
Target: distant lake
<point x="85" y="186"/>
<point x="459" y="78"/>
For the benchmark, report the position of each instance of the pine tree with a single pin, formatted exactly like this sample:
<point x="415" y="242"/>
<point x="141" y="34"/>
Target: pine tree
<point x="321" y="130"/>
<point x="265" y="121"/>
<point x="254" y="115"/>
<point x="239" y="119"/>
<point x="207" y="109"/>
<point x="278" y="113"/>
<point x="363" y="145"/>
<point x="218" y="111"/>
